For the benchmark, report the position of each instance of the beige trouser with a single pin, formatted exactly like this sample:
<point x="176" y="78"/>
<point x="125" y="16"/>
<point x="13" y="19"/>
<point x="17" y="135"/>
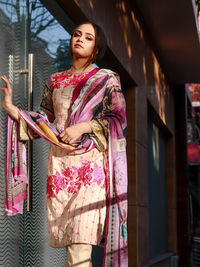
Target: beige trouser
<point x="79" y="255"/>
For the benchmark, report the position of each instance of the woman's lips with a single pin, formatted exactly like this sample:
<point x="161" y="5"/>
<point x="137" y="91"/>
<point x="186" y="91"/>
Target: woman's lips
<point x="78" y="45"/>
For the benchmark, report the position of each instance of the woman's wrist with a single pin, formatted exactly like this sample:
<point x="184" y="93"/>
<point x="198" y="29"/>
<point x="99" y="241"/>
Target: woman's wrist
<point x="7" y="105"/>
<point x="11" y="109"/>
<point x="85" y="127"/>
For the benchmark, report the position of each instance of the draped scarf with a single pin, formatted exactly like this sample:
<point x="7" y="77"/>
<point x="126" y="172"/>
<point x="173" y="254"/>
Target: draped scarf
<point x="100" y="98"/>
<point x="16" y="174"/>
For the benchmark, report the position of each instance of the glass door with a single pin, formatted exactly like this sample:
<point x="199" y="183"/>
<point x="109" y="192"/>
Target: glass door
<point x="27" y="26"/>
<point x="48" y="41"/>
<point x="12" y="60"/>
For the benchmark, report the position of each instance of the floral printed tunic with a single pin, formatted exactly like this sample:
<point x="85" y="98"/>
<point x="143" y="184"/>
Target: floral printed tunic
<point x="76" y="192"/>
<point x="79" y="185"/>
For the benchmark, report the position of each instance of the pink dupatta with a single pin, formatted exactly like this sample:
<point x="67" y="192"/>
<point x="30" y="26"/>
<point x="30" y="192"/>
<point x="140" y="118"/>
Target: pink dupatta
<point x="16" y="176"/>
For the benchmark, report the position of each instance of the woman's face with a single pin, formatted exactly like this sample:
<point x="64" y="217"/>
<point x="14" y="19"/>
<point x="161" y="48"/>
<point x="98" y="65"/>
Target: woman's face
<point x="83" y="41"/>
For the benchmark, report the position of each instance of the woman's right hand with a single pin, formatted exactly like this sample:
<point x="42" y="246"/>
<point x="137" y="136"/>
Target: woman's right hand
<point x="7" y="101"/>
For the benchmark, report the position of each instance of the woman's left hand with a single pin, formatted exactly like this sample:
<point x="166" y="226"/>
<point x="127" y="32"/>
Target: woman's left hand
<point x="72" y="133"/>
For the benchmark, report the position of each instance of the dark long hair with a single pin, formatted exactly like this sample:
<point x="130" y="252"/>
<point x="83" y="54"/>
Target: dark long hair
<point x="100" y="43"/>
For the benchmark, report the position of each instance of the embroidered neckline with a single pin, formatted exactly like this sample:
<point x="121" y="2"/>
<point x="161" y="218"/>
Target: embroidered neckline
<point x="68" y="73"/>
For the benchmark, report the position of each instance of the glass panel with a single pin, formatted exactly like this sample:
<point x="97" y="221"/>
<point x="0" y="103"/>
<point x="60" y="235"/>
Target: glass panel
<point x="12" y="55"/>
<point x="49" y="42"/>
<point x="157" y="191"/>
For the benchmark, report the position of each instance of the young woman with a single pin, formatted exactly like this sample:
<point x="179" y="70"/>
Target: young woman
<point x="86" y="168"/>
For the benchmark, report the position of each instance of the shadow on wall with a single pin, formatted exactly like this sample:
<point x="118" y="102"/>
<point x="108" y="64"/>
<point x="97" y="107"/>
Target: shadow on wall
<point x="143" y="61"/>
<point x="128" y="22"/>
<point x="158" y="93"/>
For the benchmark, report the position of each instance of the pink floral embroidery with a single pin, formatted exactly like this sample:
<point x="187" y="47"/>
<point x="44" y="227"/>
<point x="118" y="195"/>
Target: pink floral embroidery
<point x="58" y="182"/>
<point x="71" y="188"/>
<point x="84" y="173"/>
<point x="99" y="175"/>
<point x="50" y="193"/>
<point x="67" y="173"/>
<point x="64" y="79"/>
<point x="73" y="179"/>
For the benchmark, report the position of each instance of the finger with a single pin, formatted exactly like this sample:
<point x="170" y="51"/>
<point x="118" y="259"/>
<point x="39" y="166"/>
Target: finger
<point x="65" y="139"/>
<point x="8" y="84"/>
<point x="67" y="147"/>
<point x="65" y="132"/>
<point x="5" y="79"/>
<point x="71" y="141"/>
<point x="62" y="134"/>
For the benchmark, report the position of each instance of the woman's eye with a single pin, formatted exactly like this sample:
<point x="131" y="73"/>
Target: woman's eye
<point x="76" y="34"/>
<point x="89" y="38"/>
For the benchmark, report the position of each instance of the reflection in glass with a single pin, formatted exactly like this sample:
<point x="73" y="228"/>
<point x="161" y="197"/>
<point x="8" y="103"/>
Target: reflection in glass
<point x="42" y="29"/>
<point x="47" y="35"/>
<point x="28" y="27"/>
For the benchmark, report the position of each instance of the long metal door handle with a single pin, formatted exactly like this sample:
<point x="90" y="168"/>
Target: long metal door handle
<point x="30" y="107"/>
<point x="29" y="71"/>
<point x="30" y="81"/>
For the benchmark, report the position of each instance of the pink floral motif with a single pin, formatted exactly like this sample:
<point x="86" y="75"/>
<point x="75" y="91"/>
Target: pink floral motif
<point x="67" y="173"/>
<point x="71" y="188"/>
<point x="50" y="193"/>
<point x="63" y="79"/>
<point x="72" y="179"/>
<point x="84" y="173"/>
<point x="58" y="182"/>
<point x="99" y="175"/>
